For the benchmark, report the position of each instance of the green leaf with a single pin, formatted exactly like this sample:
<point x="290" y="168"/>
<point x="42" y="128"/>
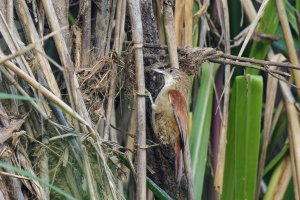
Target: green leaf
<point x="157" y="191"/>
<point x="290" y="11"/>
<point x="195" y="26"/>
<point x="201" y="126"/>
<point x="267" y="25"/>
<point x="244" y="128"/>
<point x="229" y="181"/>
<point x="13" y="96"/>
<point x="277" y="158"/>
<point x="278" y="132"/>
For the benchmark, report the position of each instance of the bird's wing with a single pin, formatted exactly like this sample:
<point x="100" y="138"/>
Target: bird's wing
<point x="179" y="105"/>
<point x="180" y="112"/>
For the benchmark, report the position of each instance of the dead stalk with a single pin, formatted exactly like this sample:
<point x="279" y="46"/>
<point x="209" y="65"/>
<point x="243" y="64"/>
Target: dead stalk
<point x="52" y="97"/>
<point x="270" y="103"/>
<point x="288" y="40"/>
<point x="294" y="137"/>
<point x="76" y="98"/>
<point x="86" y="37"/>
<point x="112" y="89"/>
<point x="32" y="35"/>
<point x="137" y="35"/>
<point x="219" y="173"/>
<point x="170" y="36"/>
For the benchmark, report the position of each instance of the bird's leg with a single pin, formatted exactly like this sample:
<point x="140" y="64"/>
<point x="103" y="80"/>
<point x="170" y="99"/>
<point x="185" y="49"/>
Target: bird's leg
<point x="154" y="108"/>
<point x="153" y="105"/>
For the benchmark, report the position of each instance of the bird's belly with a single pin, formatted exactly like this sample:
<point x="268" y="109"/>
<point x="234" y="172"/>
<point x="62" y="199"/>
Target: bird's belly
<point x="167" y="130"/>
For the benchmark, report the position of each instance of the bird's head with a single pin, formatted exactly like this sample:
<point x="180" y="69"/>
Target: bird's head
<point x="172" y="75"/>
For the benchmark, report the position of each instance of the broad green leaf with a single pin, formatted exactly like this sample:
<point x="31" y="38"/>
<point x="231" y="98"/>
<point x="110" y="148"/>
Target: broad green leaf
<point x="243" y="138"/>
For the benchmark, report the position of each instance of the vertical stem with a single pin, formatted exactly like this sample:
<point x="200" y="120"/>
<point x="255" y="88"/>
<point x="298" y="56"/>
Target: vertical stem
<point x="137" y="35"/>
<point x="171" y="38"/>
<point x="219" y="174"/>
<point x="10" y="14"/>
<point x="288" y="40"/>
<point x="86" y="37"/>
<point x="112" y="89"/>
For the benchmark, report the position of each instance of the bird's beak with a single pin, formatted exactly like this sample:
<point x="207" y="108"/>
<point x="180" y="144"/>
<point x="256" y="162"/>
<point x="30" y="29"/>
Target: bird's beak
<point x="159" y="71"/>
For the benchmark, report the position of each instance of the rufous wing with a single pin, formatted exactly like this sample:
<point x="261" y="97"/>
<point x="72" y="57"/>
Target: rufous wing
<point x="179" y="105"/>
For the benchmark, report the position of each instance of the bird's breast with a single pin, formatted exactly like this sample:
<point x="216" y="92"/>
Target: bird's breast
<point x="167" y="130"/>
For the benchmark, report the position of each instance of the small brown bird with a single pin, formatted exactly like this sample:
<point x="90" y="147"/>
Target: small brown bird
<point x="170" y="114"/>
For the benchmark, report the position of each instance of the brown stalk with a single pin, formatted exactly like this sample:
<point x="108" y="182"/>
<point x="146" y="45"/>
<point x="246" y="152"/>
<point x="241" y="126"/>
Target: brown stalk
<point x="26" y="49"/>
<point x="159" y="22"/>
<point x="249" y="9"/>
<point x="32" y="36"/>
<point x="294" y="137"/>
<point x="52" y="97"/>
<point x="110" y="110"/>
<point x="288" y="40"/>
<point x="62" y="10"/>
<point x="12" y="44"/>
<point x="170" y="36"/>
<point x="219" y="172"/>
<point x="86" y="36"/>
<point x="10" y="14"/>
<point x="23" y="92"/>
<point x="101" y="27"/>
<point x="76" y="98"/>
<point x="179" y="20"/>
<point x="137" y="35"/>
<point x="283" y="176"/>
<point x="188" y="22"/>
<point x="267" y="131"/>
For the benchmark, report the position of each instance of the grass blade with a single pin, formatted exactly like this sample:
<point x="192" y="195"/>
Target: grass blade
<point x="201" y="126"/>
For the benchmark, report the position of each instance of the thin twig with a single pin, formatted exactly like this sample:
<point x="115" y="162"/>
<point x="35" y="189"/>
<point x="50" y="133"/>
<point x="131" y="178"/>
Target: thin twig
<point x="262" y="62"/>
<point x="232" y="57"/>
<point x="241" y="64"/>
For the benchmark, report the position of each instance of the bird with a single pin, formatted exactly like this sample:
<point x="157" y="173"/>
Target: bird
<point x="170" y="114"/>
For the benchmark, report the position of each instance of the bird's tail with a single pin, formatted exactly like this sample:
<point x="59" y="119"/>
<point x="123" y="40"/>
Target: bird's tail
<point x="178" y="164"/>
